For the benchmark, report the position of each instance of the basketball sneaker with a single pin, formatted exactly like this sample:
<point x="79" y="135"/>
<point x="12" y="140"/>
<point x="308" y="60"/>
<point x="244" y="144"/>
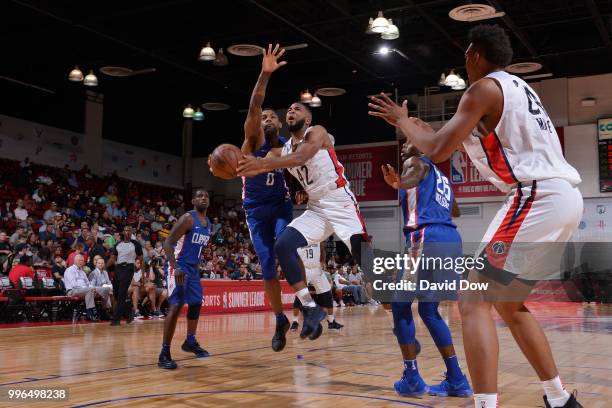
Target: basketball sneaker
<point x="294" y="326"/>
<point x="410" y="385"/>
<point x="452" y="388"/>
<point x="166" y="362"/>
<point x="312" y="322"/>
<point x="195" y="349"/>
<point x="571" y="402"/>
<point x="279" y="340"/>
<point x="334" y="325"/>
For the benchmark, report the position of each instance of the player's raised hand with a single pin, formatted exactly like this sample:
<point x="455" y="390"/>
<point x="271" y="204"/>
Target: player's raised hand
<point x="270" y="62"/>
<point x="249" y="166"/>
<point x="301" y="197"/>
<point x="390" y="175"/>
<point x="388" y="110"/>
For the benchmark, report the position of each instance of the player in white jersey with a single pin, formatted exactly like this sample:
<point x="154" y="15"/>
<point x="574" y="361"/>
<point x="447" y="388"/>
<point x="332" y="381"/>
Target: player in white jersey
<point x="312" y="257"/>
<point x="309" y="155"/>
<point x="508" y="135"/>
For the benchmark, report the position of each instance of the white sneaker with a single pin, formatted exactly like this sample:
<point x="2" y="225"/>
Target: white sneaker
<point x="342" y="304"/>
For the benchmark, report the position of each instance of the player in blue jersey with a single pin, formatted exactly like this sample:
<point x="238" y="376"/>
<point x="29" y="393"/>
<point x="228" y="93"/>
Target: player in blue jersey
<point x="427" y="203"/>
<point x="183" y="247"/>
<point x="265" y="197"/>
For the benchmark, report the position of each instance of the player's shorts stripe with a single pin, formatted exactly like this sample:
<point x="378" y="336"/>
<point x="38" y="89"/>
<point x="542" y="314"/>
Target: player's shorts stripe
<point x="359" y="216"/>
<point x="497" y="159"/>
<point x="341" y="180"/>
<point x="498" y="247"/>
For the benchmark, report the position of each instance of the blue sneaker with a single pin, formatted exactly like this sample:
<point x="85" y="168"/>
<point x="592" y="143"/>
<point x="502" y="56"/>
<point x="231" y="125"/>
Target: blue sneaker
<point x="313" y="316"/>
<point x="455" y="388"/>
<point x="411" y="387"/>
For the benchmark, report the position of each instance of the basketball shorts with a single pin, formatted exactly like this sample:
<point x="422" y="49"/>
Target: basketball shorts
<point x="527" y="238"/>
<point x="335" y="213"/>
<point x="438" y="250"/>
<point x="316" y="278"/>
<point x="265" y="223"/>
<point x="190" y="292"/>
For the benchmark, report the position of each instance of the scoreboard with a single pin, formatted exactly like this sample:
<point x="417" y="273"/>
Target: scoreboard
<point x="604" y="133"/>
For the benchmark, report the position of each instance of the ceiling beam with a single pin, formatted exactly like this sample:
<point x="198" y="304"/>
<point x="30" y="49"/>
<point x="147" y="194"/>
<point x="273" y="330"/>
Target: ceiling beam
<point x="598" y="20"/>
<point x="317" y="40"/>
<point x="517" y="31"/>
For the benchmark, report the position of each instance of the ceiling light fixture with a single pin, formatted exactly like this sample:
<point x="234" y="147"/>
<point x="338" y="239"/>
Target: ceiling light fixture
<point x="315" y="102"/>
<point x="451" y="79"/>
<point x="369" y="29"/>
<point x="198" y="116"/>
<point x="442" y="80"/>
<point x="392" y="32"/>
<point x="460" y="85"/>
<point x="90" y="79"/>
<point x="306" y="97"/>
<point x="207" y="53"/>
<point x="188" y="112"/>
<point x="76" y="75"/>
<point x="380" y="24"/>
<point x="384" y="50"/>
<point x="221" y="59"/>
<point x="474" y="12"/>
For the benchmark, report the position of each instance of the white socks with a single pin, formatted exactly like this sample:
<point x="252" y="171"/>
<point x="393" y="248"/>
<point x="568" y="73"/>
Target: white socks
<point x="330" y="318"/>
<point x="295" y="318"/>
<point x="305" y="297"/>
<point x="485" y="401"/>
<point x="555" y="392"/>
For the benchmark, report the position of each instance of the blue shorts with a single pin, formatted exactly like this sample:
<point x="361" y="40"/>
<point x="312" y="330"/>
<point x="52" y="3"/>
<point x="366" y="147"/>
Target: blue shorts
<point x="441" y="250"/>
<point x="265" y="223"/>
<point x="190" y="292"/>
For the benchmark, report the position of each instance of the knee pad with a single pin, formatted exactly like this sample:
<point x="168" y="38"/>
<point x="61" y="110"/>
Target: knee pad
<point x="325" y="300"/>
<point x="193" y="311"/>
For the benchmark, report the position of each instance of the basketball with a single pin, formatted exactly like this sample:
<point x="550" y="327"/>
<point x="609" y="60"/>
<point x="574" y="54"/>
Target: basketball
<point x="224" y="161"/>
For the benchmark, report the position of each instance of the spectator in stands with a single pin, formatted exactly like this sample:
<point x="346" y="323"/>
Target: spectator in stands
<point x="95" y="248"/>
<point x="77" y="285"/>
<point x="39" y="194"/>
<point x="72" y="181"/>
<point x="113" y="210"/>
<point x="342" y="283"/>
<point x="21" y="214"/>
<point x="5" y="249"/>
<point x="48" y="233"/>
<point x="163" y="209"/>
<point x="154" y="280"/>
<point x="139" y="289"/>
<point x="19" y="233"/>
<point x="51" y="212"/>
<point x="58" y="268"/>
<point x="356" y="278"/>
<point x="23" y="269"/>
<point x="78" y="250"/>
<point x="245" y="274"/>
<point x="156" y="225"/>
<point x="98" y="278"/>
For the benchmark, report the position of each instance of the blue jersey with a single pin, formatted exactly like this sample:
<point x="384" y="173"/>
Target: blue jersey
<point x="264" y="188"/>
<point x="430" y="202"/>
<point x="189" y="247"/>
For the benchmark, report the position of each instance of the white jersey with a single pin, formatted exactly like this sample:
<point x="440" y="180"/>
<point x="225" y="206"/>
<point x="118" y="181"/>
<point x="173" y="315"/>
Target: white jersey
<point x="320" y="174"/>
<point x="311" y="256"/>
<point x="524" y="145"/>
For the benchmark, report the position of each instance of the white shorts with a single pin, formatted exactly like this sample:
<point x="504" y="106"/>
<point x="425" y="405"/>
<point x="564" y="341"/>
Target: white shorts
<point x="337" y="212"/>
<point x="528" y="234"/>
<point x="316" y="278"/>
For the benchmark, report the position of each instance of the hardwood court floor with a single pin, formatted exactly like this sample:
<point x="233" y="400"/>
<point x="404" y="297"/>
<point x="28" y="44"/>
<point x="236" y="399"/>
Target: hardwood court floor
<point x="116" y="366"/>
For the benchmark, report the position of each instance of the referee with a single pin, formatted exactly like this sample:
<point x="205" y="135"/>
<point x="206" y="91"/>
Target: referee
<point x="125" y="253"/>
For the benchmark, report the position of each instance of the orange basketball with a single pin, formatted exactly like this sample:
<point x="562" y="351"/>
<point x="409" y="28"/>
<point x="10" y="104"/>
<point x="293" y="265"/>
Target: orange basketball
<point x="224" y="161"/>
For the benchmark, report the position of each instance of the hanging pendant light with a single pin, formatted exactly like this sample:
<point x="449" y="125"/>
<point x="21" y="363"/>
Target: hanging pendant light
<point x="75" y="75"/>
<point x="221" y="59"/>
<point x="90" y="79"/>
<point x="380" y="24"/>
<point x="369" y="29"/>
<point x="315" y="102"/>
<point x="188" y="112"/>
<point x="207" y="53"/>
<point x="306" y="97"/>
<point x="451" y="79"/>
<point x="198" y="116"/>
<point x="460" y="85"/>
<point x="442" y="80"/>
<point x="392" y="32"/>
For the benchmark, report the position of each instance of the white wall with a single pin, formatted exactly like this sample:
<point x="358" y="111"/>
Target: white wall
<point x="202" y="177"/>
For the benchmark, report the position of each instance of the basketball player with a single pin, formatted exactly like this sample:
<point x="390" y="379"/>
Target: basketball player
<point x="312" y="256"/>
<point x="427" y="202"/>
<point x="309" y="156"/>
<point x="509" y="137"/>
<point x="183" y="247"/>
<point x="265" y="196"/>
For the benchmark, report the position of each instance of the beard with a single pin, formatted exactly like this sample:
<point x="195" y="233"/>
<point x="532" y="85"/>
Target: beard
<point x="297" y="125"/>
<point x="270" y="131"/>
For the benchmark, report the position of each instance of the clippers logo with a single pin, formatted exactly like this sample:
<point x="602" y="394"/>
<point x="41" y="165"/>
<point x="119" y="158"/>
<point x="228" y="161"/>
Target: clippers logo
<point x="498" y="248"/>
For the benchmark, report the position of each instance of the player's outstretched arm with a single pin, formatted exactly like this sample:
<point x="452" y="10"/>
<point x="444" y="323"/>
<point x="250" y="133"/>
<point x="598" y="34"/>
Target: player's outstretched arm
<point x="180" y="228"/>
<point x="316" y="139"/>
<point x="253" y="131"/>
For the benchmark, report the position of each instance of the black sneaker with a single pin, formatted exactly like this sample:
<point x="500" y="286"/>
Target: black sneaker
<point x="279" y="341"/>
<point x="294" y="326"/>
<point x="166" y="362"/>
<point x="195" y="349"/>
<point x="334" y="325"/>
<point x="571" y="402"/>
<point x="313" y="316"/>
<point x="130" y="317"/>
